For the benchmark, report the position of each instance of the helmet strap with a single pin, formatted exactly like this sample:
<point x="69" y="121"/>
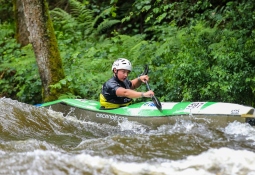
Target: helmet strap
<point x="116" y="73"/>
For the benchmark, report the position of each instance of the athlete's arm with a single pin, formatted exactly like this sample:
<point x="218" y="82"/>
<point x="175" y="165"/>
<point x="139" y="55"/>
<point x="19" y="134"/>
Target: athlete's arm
<point x="122" y="92"/>
<point x="138" y="81"/>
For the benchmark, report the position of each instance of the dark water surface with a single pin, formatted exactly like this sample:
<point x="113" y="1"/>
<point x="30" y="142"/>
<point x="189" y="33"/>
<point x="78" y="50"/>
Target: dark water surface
<point x="40" y="141"/>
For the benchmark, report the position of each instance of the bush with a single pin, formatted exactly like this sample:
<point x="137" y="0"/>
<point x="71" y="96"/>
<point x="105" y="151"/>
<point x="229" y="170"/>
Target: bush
<point x="19" y="76"/>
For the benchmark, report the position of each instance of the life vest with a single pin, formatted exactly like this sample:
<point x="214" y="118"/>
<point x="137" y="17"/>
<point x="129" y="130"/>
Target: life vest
<point x="108" y="105"/>
<point x="108" y="97"/>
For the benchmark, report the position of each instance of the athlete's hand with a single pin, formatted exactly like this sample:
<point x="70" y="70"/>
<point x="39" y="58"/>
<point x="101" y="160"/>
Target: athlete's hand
<point x="149" y="93"/>
<point x="144" y="78"/>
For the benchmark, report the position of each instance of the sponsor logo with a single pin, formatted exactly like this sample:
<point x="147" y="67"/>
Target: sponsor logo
<point x="111" y="117"/>
<point x="150" y="104"/>
<point x="235" y="111"/>
<point x="195" y="105"/>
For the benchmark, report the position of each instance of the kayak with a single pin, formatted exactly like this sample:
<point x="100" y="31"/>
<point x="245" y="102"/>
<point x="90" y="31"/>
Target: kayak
<point x="148" y="114"/>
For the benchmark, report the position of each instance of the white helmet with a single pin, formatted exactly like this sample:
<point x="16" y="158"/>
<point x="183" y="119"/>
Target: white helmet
<point x="122" y="63"/>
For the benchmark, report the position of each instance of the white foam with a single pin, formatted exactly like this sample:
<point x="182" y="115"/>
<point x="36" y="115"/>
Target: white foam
<point x="132" y="126"/>
<point x="220" y="161"/>
<point x="214" y="161"/>
<point x="238" y="129"/>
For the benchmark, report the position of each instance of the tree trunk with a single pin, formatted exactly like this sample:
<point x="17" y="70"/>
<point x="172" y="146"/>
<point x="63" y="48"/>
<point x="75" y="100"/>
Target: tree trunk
<point x="21" y="33"/>
<point x="45" y="47"/>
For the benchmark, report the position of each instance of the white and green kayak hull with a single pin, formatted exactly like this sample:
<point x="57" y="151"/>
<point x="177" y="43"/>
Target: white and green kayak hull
<point x="148" y="114"/>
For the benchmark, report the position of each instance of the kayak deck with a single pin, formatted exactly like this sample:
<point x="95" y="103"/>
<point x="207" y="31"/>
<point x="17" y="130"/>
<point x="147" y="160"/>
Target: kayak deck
<point x="144" y="109"/>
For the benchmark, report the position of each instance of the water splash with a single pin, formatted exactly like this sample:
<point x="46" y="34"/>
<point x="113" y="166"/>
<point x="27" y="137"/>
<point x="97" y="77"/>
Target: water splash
<point x="214" y="161"/>
<point x="40" y="141"/>
<point x="132" y="127"/>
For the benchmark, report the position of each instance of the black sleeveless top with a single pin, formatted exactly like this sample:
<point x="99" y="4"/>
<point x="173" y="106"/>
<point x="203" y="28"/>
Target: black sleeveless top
<point x="109" y="90"/>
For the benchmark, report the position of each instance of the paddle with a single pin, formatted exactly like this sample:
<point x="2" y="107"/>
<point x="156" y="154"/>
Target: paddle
<point x="154" y="99"/>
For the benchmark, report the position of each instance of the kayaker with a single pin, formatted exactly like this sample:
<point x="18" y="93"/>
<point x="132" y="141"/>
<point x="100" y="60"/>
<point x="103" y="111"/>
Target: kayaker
<point x="118" y="91"/>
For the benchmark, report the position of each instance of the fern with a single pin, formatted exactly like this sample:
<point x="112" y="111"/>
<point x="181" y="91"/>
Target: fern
<point x="106" y="24"/>
<point x="63" y="20"/>
<point x="79" y="11"/>
<point x="99" y="18"/>
<point x="78" y="20"/>
<point x="75" y="7"/>
<point x="60" y="14"/>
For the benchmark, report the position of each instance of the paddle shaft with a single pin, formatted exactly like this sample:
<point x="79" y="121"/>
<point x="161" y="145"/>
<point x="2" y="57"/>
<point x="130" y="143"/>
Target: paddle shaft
<point x="154" y="99"/>
<point x="148" y="87"/>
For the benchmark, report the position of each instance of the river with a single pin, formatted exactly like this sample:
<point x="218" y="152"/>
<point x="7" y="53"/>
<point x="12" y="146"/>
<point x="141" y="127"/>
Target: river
<point x="38" y="141"/>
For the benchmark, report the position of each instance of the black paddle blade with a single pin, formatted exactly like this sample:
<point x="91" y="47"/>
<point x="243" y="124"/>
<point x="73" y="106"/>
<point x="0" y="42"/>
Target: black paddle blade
<point x="157" y="103"/>
<point x="146" y="70"/>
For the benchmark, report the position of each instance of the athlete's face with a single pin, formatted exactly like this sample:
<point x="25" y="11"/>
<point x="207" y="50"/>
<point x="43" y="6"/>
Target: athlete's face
<point x="122" y="74"/>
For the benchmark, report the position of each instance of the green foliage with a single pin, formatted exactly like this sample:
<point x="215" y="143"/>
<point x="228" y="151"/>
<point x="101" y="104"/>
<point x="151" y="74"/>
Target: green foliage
<point x="7" y="42"/>
<point x="196" y="50"/>
<point x="161" y="12"/>
<point x="75" y="25"/>
<point x="235" y="15"/>
<point x="106" y="24"/>
<point x="6" y="11"/>
<point x="210" y="65"/>
<point x="19" y="73"/>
